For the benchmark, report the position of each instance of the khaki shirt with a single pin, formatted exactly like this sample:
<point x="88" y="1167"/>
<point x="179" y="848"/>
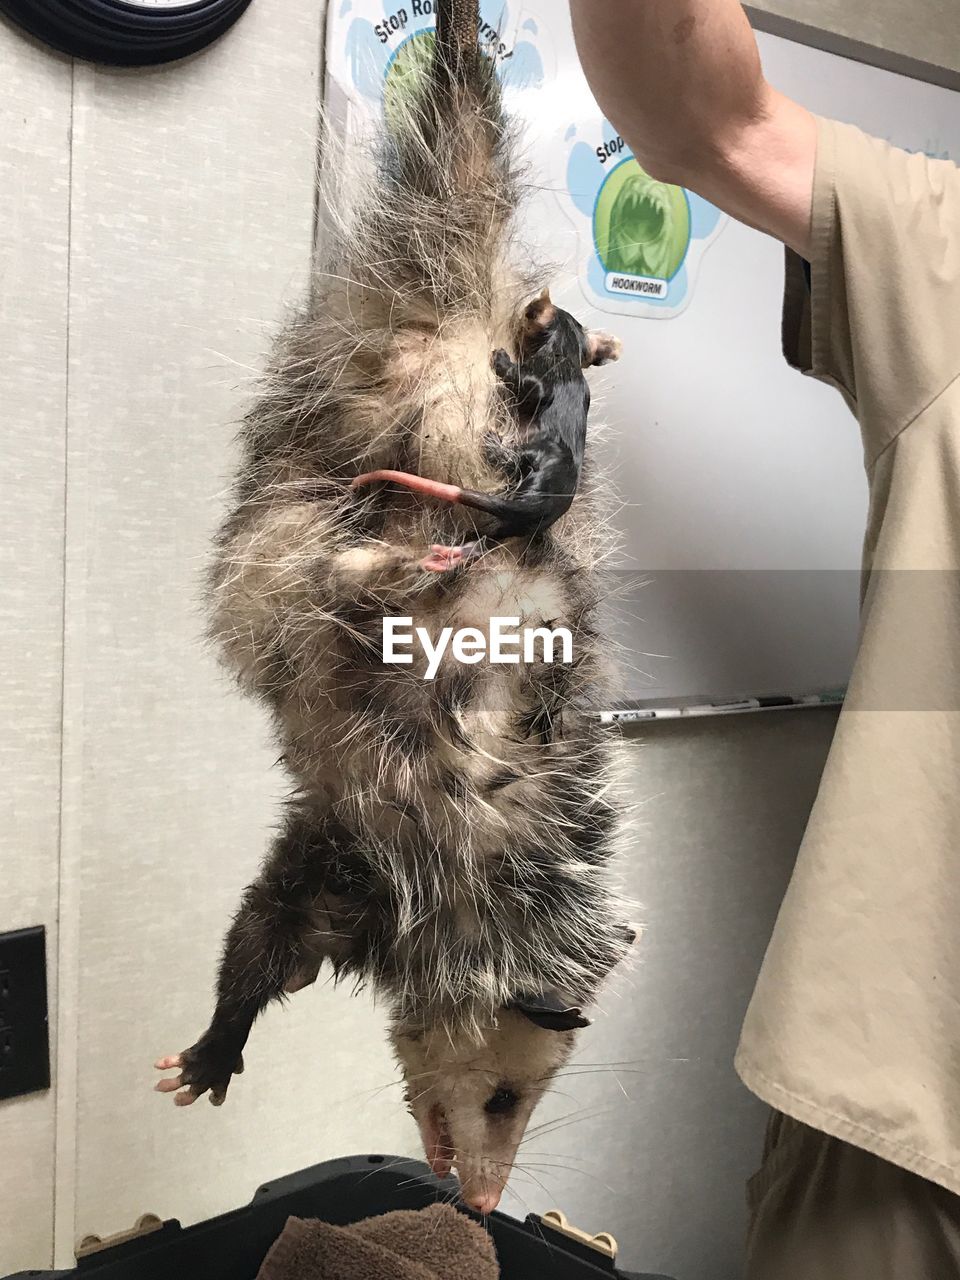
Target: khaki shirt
<point x="854" y="1026"/>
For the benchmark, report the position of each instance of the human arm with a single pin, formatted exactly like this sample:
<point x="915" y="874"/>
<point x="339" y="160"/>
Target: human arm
<point x="682" y="82"/>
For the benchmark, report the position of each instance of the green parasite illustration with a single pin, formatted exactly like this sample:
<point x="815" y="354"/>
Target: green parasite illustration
<point x="641" y="226"/>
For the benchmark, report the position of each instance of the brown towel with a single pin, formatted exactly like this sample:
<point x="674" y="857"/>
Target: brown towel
<point x="425" y="1244"/>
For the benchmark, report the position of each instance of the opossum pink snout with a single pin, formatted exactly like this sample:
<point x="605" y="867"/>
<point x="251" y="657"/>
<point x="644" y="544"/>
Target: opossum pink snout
<point x="472" y="1096"/>
<point x="484" y="1198"/>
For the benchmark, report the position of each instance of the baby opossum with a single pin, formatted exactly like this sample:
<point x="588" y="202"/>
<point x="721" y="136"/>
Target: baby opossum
<point x="553" y="399"/>
<point x="447" y="841"/>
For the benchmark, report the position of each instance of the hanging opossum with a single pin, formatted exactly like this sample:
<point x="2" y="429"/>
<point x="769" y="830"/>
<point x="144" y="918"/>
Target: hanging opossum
<point x="448" y="841"/>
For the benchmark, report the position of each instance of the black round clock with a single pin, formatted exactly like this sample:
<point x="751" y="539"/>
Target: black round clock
<point x="126" y="33"/>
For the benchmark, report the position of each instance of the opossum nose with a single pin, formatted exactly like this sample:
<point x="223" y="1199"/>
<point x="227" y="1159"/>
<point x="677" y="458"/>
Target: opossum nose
<point x="484" y="1200"/>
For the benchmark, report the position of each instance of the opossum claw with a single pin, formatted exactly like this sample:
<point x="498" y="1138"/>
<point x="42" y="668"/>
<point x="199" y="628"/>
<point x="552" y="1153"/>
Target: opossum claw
<point x="602" y="348"/>
<point x="501" y="364"/>
<point x="303" y="977"/>
<point x="174" y="1083"/>
<point x="203" y="1068"/>
<point x="442" y="559"/>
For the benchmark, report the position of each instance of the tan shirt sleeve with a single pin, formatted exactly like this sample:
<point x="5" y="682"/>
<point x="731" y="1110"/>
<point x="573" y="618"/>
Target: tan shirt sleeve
<point x="881" y="320"/>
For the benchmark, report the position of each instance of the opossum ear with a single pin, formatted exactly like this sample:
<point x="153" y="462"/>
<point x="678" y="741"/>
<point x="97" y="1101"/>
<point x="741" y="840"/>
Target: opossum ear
<point x="550" y="1011"/>
<point x="539" y="315"/>
<point x="601" y="348"/>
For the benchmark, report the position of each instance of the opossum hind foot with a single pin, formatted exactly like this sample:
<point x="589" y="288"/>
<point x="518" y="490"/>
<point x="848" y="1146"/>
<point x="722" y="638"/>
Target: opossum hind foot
<point x="206" y="1067"/>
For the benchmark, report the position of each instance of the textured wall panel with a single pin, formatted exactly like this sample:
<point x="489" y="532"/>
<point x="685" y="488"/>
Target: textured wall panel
<point x="34" y="180"/>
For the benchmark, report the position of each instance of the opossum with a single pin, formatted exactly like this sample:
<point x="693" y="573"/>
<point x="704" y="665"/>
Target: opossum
<point x="553" y="399"/>
<point x="447" y="842"/>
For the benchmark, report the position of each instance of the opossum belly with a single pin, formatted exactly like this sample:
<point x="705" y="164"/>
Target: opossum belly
<point x="452" y="393"/>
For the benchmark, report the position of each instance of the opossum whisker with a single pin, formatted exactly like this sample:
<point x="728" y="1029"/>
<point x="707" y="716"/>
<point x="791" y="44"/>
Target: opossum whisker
<point x="552" y="1127"/>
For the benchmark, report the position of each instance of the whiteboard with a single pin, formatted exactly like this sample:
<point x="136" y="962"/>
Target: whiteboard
<point x="741" y="493"/>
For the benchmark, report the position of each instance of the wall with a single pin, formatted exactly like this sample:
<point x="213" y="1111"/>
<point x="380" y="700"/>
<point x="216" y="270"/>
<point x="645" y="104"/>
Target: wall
<point x="35" y="98"/>
<point x="921" y="38"/>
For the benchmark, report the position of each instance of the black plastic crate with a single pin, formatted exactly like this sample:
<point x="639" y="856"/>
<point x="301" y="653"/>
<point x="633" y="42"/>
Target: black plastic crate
<point x="232" y="1246"/>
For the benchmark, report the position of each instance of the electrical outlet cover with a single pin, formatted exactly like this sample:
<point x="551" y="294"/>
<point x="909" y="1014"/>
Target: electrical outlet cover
<point x="24" y="1035"/>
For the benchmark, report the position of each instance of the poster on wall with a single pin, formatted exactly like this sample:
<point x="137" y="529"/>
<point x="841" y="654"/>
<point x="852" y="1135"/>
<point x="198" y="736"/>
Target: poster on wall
<point x="373" y="47"/>
<point x="639" y="241"/>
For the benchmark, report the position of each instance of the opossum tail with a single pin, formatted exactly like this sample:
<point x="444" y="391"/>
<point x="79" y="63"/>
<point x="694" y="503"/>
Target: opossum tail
<point x="522" y="511"/>
<point x="448" y="173"/>
<point x="458" y="43"/>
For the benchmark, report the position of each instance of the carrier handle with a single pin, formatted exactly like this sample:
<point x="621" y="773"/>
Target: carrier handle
<point x="603" y="1242"/>
<point x="145" y="1225"/>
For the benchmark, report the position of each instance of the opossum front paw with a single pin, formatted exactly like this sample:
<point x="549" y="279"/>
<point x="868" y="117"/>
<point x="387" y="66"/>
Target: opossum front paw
<point x="503" y="366"/>
<point x="205" y="1067"/>
<point x="442" y="559"/>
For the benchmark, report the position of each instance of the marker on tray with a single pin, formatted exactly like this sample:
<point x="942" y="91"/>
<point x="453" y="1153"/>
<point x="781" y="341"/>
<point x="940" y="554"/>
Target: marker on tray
<point x="730" y="706"/>
<point x="641" y="713"/>
<point x="723" y="708"/>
